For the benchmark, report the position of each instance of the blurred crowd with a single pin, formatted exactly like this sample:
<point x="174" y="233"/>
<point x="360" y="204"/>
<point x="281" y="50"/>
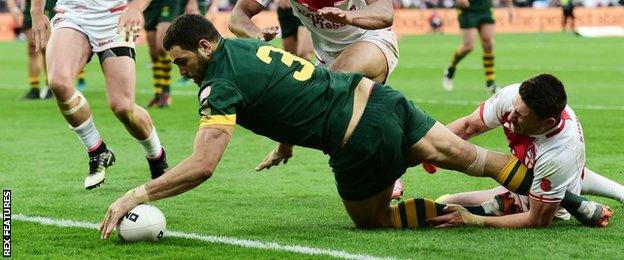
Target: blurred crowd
<point x="226" y="5"/>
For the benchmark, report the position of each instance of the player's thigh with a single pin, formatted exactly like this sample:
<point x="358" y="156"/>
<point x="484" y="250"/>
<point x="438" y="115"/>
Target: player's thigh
<point x="442" y="148"/>
<point x="66" y="54"/>
<point x="486" y="34"/>
<point x="119" y="73"/>
<point x="473" y="197"/>
<point x="373" y="212"/>
<point x="161" y="30"/>
<point x="467" y="36"/>
<point x="363" y="57"/>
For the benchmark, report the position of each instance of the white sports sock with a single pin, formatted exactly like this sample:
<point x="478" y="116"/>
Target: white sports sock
<point x="151" y="145"/>
<point x="596" y="184"/>
<point x="88" y="134"/>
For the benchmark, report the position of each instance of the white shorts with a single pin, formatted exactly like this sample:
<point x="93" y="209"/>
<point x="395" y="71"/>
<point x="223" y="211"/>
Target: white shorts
<point x="385" y="40"/>
<point x="100" y="28"/>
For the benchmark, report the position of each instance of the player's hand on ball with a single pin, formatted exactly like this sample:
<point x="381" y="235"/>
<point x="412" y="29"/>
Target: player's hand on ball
<point x="336" y="15"/>
<point x="115" y="212"/>
<point x="282" y="153"/>
<point x="457" y="216"/>
<point x="130" y="23"/>
<point x="40" y="30"/>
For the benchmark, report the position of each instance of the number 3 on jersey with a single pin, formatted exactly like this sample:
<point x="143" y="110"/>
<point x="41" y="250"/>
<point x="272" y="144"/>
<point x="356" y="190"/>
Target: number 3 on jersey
<point x="287" y="58"/>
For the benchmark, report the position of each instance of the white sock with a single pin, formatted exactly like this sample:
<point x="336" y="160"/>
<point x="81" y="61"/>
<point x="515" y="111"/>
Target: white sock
<point x="596" y="184"/>
<point x="88" y="134"/>
<point x="151" y="145"/>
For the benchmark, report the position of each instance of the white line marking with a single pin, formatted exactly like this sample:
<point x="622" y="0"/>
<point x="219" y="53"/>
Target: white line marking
<point x="416" y="100"/>
<point x="211" y="239"/>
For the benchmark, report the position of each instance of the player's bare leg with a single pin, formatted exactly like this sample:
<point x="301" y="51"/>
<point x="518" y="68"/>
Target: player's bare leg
<point x="165" y="62"/>
<point x="67" y="53"/>
<point x="363" y="57"/>
<point x="486" y="33"/>
<point x="156" y="66"/>
<point x="467" y="45"/>
<point x="34" y="67"/>
<point x="120" y="85"/>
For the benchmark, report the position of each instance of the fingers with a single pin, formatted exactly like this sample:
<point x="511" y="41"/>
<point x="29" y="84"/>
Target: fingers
<point x="452" y="208"/>
<point x="104" y="225"/>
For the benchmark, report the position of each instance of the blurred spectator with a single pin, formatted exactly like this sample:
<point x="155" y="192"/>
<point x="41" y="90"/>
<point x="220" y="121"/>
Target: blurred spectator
<point x="435" y="21"/>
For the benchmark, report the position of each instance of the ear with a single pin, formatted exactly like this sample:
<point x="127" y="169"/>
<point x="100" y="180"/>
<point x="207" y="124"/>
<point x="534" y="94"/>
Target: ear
<point x="204" y="46"/>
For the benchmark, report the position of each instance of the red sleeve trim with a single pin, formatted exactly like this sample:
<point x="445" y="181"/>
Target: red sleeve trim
<point x="543" y="199"/>
<point x="118" y="8"/>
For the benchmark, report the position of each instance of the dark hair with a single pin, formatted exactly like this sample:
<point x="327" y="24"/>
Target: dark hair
<point x="545" y="95"/>
<point x="187" y="30"/>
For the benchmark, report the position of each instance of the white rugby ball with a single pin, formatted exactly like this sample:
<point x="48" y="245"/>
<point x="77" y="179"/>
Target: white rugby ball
<point x="142" y="223"/>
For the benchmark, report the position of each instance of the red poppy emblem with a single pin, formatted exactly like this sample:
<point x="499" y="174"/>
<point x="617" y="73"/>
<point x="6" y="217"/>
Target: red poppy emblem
<point x="546" y="185"/>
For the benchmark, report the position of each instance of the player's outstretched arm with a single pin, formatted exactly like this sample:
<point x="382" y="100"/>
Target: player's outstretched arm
<point x="210" y="143"/>
<point x="241" y="25"/>
<point x="281" y="153"/>
<point x="378" y="14"/>
<point x="539" y="215"/>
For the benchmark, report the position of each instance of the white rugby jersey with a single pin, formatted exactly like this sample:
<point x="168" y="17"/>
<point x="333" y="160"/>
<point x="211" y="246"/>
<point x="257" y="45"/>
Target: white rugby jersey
<point x="92" y="6"/>
<point x="328" y="36"/>
<point x="557" y="157"/>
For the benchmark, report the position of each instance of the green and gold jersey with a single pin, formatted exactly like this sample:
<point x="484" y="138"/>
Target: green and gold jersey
<point x="276" y="94"/>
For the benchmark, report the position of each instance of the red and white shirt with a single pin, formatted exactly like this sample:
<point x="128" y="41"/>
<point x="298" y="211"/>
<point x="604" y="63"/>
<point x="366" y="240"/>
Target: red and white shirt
<point x="326" y="35"/>
<point x="557" y="157"/>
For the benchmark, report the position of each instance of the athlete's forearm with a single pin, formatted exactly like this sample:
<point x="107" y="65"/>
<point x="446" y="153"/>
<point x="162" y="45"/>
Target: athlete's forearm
<point x="183" y="177"/>
<point x="36" y="7"/>
<point x="520" y="220"/>
<point x="377" y="15"/>
<point x="240" y="23"/>
<point x="209" y="146"/>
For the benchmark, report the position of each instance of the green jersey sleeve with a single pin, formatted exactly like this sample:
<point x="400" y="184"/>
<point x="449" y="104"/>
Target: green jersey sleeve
<point x="218" y="102"/>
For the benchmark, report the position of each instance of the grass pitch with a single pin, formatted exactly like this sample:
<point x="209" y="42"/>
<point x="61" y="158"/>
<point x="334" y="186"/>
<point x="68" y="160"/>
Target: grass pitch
<point x="44" y="164"/>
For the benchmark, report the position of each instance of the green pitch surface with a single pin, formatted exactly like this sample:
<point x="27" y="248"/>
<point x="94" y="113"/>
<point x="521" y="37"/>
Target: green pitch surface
<point x="296" y="206"/>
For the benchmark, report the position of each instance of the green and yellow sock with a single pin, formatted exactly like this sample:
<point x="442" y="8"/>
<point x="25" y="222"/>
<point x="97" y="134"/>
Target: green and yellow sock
<point x="157" y="72"/>
<point x="34" y="82"/>
<point x="488" y="67"/>
<point x="515" y="177"/>
<point x="81" y="76"/>
<point x="165" y="63"/>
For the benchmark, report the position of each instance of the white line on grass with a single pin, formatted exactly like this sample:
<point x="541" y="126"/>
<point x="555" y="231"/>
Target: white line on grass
<point x="416" y="100"/>
<point x="211" y="239"/>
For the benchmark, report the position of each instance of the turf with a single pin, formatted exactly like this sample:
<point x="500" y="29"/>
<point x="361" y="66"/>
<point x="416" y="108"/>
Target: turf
<point x="43" y="163"/>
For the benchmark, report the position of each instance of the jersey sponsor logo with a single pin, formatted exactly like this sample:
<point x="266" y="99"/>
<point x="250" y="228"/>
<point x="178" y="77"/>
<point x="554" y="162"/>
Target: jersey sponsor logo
<point x="317" y="20"/>
<point x="104" y="42"/>
<point x="545" y="185"/>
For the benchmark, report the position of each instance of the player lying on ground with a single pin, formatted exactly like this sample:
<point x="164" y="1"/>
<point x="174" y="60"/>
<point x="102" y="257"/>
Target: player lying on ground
<point x="371" y="132"/>
<point x="545" y="134"/>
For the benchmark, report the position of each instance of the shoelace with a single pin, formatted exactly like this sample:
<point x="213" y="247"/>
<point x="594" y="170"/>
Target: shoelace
<point x="96" y="163"/>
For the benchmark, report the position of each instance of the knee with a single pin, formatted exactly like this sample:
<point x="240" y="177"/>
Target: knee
<point x="488" y="46"/>
<point x="121" y="108"/>
<point x="59" y="81"/>
<point x="467" y="47"/>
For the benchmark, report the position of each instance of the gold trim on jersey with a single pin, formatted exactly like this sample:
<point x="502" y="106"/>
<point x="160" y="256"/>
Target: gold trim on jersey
<point x="217" y="120"/>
